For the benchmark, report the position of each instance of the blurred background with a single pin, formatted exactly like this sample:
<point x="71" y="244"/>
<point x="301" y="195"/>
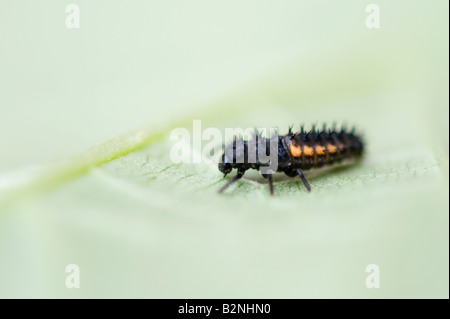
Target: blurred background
<point x="139" y="225"/>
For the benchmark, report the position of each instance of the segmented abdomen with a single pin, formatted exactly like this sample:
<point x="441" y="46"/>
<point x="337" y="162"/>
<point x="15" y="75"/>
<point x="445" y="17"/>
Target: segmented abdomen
<point x="315" y="149"/>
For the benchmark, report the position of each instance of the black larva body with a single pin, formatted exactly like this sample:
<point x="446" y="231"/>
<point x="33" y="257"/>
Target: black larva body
<point x="296" y="152"/>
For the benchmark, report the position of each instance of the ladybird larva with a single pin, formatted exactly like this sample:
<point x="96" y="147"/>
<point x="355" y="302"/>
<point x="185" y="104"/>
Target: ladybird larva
<point x="296" y="152"/>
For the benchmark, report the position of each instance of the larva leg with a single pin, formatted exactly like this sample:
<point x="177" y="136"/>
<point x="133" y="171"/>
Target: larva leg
<point x="269" y="179"/>
<point x="303" y="178"/>
<point x="235" y="178"/>
<point x="297" y="172"/>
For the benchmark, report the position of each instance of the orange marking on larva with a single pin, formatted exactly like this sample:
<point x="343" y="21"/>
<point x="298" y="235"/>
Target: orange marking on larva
<point x="341" y="147"/>
<point x="320" y="150"/>
<point x="309" y="151"/>
<point x="295" y="150"/>
<point x="331" y="149"/>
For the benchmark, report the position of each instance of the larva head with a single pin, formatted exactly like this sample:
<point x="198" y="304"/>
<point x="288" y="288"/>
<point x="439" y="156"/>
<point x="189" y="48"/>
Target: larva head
<point x="234" y="155"/>
<point x="225" y="167"/>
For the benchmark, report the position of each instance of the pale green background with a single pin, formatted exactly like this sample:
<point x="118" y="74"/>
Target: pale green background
<point x="139" y="226"/>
